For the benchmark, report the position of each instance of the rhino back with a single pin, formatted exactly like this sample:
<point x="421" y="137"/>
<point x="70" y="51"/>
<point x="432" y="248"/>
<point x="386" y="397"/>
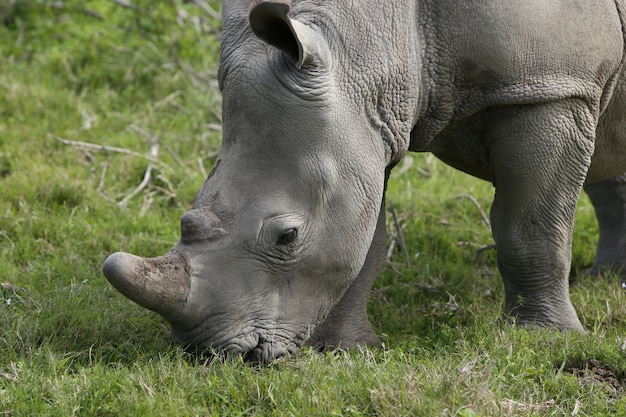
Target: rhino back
<point x="482" y="54"/>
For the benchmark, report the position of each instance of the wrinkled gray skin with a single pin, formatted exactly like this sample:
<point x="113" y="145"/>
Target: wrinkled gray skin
<point x="322" y="98"/>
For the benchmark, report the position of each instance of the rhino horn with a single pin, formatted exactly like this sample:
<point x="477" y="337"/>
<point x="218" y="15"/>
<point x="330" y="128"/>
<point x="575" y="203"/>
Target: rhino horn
<point x="160" y="284"/>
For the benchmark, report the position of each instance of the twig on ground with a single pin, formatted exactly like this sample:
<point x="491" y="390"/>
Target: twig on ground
<point x="144" y="183"/>
<point x="511" y="406"/>
<point x="169" y="99"/>
<point x="105" y="168"/>
<point x="179" y="108"/>
<point x="10" y="287"/>
<point x="206" y="8"/>
<point x="174" y="156"/>
<point x="484" y="216"/>
<point x="62" y="6"/>
<point x="424" y="172"/>
<point x="197" y="79"/>
<point x="399" y="235"/>
<point x="151" y="137"/>
<point x="481" y="250"/>
<point x="154" y="152"/>
<point x="169" y="191"/>
<point x="106" y="148"/>
<point x="200" y="23"/>
<point x="202" y="168"/>
<point x="390" y="249"/>
<point x="125" y="3"/>
<point x="147" y="203"/>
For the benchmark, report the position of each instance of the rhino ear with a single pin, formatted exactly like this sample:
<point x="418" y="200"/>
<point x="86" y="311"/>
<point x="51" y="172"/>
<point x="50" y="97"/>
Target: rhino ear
<point x="270" y="21"/>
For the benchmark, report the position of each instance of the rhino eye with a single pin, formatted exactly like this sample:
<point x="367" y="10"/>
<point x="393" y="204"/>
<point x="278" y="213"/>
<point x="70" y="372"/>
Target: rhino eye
<point x="288" y="237"/>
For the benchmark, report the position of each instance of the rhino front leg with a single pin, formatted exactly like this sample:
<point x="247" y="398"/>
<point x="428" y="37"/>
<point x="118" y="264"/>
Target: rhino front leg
<point x="539" y="156"/>
<point x="347" y="325"/>
<point x="609" y="201"/>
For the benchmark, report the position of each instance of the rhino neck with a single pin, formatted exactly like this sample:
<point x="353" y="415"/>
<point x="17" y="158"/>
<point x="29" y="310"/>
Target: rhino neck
<point x="382" y="73"/>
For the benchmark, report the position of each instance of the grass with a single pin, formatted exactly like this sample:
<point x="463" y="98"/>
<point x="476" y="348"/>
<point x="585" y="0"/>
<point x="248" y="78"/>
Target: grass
<point x="103" y="73"/>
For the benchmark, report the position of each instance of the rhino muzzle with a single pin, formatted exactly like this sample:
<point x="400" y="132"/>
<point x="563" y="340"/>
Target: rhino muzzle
<point x="160" y="284"/>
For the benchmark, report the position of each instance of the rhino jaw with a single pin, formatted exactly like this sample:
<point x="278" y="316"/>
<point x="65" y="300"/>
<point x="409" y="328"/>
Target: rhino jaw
<point x="160" y="284"/>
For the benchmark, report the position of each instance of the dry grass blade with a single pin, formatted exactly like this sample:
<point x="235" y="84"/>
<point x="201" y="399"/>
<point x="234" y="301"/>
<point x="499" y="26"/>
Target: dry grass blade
<point x="399" y="235"/>
<point x="481" y="250"/>
<point x="106" y="148"/>
<point x="63" y="6"/>
<point x="10" y="287"/>
<point x="482" y="212"/>
<point x="13" y="374"/>
<point x="206" y="8"/>
<point x="154" y="152"/>
<point x="124" y="3"/>
<point x="513" y="407"/>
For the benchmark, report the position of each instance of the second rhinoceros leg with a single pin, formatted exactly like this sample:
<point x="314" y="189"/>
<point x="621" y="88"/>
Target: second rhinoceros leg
<point x="609" y="201"/>
<point x="347" y="325"/>
<point x="539" y="156"/>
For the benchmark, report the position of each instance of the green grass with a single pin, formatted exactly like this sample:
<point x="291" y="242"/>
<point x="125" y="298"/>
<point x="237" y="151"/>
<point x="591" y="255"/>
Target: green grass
<point x="70" y="344"/>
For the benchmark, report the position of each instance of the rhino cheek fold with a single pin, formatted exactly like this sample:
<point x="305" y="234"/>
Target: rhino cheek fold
<point x="160" y="284"/>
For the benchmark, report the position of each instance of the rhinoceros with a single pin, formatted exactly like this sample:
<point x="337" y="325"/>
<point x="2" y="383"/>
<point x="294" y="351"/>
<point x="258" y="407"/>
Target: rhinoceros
<point x="322" y="98"/>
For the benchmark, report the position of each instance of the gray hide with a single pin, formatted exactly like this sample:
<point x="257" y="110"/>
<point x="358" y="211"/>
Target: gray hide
<point x="323" y="98"/>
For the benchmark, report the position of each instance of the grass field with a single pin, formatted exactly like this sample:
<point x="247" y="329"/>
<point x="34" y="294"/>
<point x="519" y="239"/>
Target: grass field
<point x="137" y="80"/>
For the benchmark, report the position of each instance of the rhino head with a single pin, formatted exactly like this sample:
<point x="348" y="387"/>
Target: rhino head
<point x="282" y="225"/>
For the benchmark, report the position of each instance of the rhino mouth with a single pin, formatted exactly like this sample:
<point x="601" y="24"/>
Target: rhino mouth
<point x="256" y="347"/>
<point x="265" y="353"/>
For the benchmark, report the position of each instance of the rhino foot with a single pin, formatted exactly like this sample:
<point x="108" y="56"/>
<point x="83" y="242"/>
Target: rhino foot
<point x="543" y="312"/>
